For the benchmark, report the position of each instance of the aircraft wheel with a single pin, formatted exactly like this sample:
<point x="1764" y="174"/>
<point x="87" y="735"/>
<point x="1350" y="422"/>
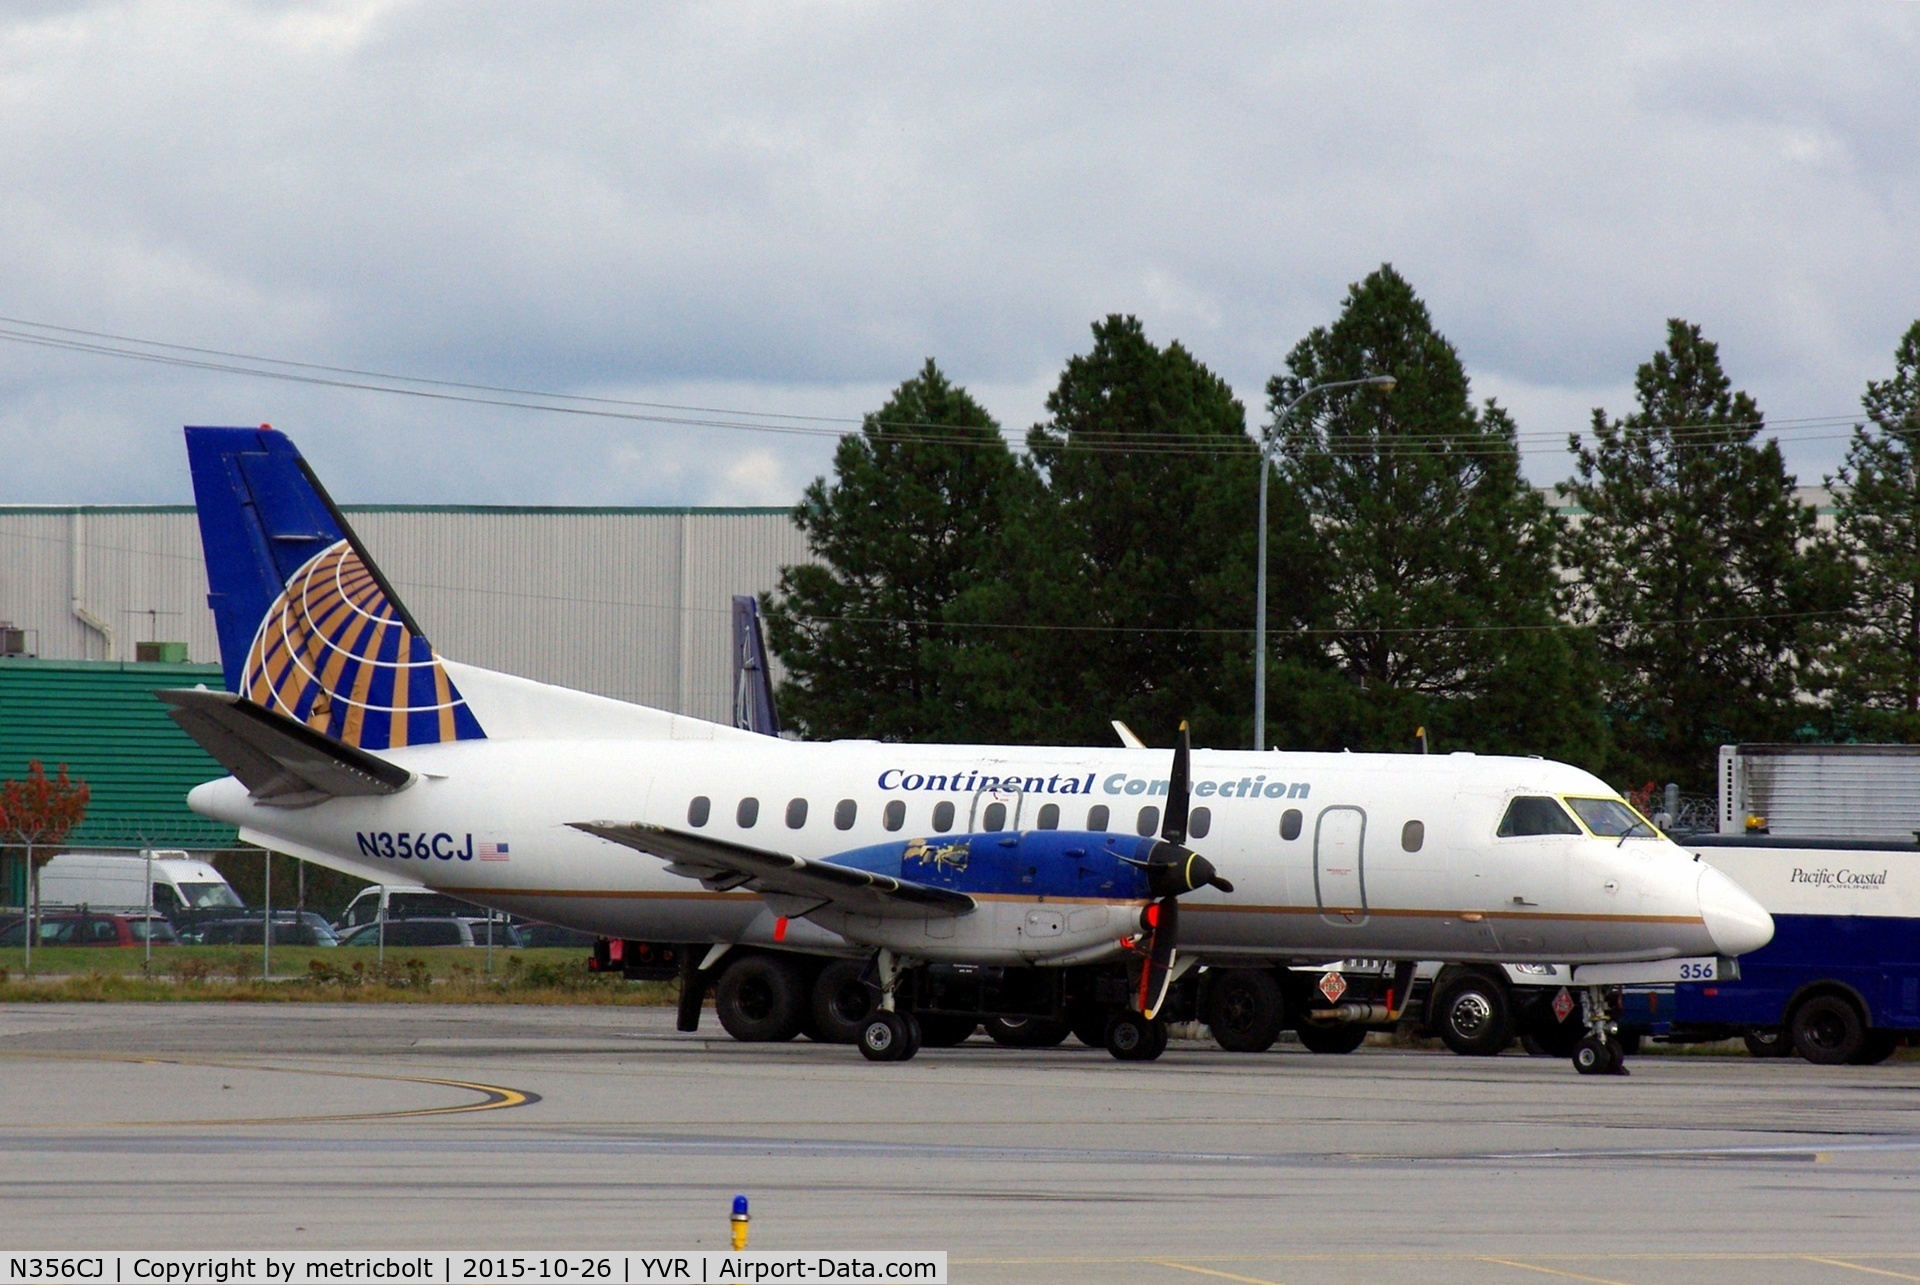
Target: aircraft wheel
<point x="1132" y="1038"/>
<point x="886" y="1038"/>
<point x="841" y="1002"/>
<point x="1244" y="1010"/>
<point x="1766" y="1041"/>
<point x="761" y="999"/>
<point x="1595" y="1056"/>
<point x="1027" y="1032"/>
<point x="944" y="1030"/>
<point x="1331" y="1037"/>
<point x="1827" y="1030"/>
<point x="1473" y="1017"/>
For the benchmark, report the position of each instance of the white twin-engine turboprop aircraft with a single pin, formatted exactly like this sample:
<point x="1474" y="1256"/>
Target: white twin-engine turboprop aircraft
<point x="1055" y="885"/>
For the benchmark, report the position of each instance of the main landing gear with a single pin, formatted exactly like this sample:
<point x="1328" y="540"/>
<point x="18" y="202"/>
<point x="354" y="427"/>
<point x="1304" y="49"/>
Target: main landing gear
<point x="1599" y="1051"/>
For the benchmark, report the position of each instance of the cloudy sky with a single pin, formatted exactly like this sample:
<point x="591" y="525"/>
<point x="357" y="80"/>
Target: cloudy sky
<point x="778" y="210"/>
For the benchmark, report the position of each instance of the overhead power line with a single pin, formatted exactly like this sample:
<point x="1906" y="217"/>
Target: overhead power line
<point x="1467" y="443"/>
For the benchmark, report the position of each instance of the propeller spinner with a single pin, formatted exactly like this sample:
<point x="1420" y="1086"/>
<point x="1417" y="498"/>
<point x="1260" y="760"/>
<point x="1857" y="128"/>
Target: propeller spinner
<point x="1172" y="869"/>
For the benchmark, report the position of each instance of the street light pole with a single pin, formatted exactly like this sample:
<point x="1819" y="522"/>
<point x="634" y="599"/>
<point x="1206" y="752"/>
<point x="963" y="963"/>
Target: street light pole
<point x="1260" y="570"/>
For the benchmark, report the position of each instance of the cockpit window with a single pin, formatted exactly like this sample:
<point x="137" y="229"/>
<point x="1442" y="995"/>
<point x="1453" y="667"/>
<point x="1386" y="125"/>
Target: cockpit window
<point x="1612" y="819"/>
<point x="1535" y="815"/>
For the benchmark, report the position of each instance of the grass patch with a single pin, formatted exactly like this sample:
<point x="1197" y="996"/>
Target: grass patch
<point x="214" y="974"/>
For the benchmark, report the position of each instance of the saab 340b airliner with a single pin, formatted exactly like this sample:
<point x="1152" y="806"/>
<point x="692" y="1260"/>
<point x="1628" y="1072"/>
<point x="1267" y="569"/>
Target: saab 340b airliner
<point x="937" y="884"/>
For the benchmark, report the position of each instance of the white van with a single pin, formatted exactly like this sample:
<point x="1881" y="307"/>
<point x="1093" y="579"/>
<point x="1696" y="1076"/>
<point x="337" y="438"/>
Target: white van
<point x="409" y="902"/>
<point x="118" y="881"/>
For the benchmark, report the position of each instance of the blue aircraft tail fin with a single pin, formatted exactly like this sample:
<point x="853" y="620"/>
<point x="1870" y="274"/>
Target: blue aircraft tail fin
<point x="753" y="709"/>
<point x="308" y="626"/>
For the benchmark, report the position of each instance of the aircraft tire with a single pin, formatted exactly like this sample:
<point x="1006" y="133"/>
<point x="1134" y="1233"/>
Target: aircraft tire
<point x="1132" y="1038"/>
<point x="1876" y="1048"/>
<point x="945" y="1030"/>
<point x="885" y="1038"/>
<point x="1027" y="1032"/>
<point x="1827" y="1030"/>
<point x="1473" y="1016"/>
<point x="761" y="999"/>
<point x="1330" y="1037"/>
<point x="841" y="1002"/>
<point x="1767" y="1041"/>
<point x="1244" y="1010"/>
<point x="1594" y="1056"/>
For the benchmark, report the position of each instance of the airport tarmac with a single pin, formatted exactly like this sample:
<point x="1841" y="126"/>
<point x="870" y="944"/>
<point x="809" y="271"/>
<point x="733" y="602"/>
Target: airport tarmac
<point x="360" y="1126"/>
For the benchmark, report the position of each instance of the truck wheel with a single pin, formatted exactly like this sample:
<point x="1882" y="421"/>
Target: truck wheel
<point x="841" y="1002"/>
<point x="1089" y="1025"/>
<point x="1766" y="1041"/>
<point x="1244" y="1010"/>
<point x="1875" y="1048"/>
<point x="760" y="999"/>
<point x="1827" y="1030"/>
<point x="1472" y="1016"/>
<point x="945" y="1030"/>
<point x="1331" y="1037"/>
<point x="1027" y="1032"/>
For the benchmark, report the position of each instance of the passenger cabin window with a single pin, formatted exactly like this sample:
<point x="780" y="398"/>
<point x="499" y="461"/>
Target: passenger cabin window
<point x="1148" y="821"/>
<point x="796" y="813"/>
<point x="1611" y="819"/>
<point x="1097" y="817"/>
<point x="699" y="810"/>
<point x="894" y="815"/>
<point x="1199" y="823"/>
<point x="1290" y="824"/>
<point x="1412" y="835"/>
<point x="1050" y="817"/>
<point x="1535" y="815"/>
<point x="747" y="813"/>
<point x="995" y="817"/>
<point x="844" y="813"/>
<point x="943" y="817"/>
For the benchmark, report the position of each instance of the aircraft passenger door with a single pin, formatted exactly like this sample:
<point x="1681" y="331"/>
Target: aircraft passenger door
<point x="1339" y="869"/>
<point x="996" y="809"/>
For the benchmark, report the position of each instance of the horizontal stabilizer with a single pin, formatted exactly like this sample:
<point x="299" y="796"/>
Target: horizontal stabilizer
<point x="721" y="864"/>
<point x="282" y="763"/>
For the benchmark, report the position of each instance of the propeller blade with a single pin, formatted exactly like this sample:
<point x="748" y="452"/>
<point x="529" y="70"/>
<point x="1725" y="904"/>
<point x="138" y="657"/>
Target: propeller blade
<point x="1175" y="830"/>
<point x="1162" y="920"/>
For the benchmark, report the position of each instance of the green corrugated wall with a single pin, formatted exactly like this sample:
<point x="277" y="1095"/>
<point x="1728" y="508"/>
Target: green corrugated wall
<point x="103" y="721"/>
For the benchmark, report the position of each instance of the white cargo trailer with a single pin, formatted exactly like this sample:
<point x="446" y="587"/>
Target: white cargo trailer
<point x="1830" y="791"/>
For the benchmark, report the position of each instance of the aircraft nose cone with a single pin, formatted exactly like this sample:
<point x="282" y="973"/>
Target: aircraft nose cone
<point x="1736" y="922"/>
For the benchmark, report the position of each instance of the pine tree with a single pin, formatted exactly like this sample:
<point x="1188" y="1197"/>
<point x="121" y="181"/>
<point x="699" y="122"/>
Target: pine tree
<point x="915" y="516"/>
<point x="1438" y="607"/>
<point x="1137" y="568"/>
<point x="1875" y="657"/>
<point x="1697" y="567"/>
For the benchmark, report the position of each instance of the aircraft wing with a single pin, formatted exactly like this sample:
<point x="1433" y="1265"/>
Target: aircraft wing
<point x="720" y="864"/>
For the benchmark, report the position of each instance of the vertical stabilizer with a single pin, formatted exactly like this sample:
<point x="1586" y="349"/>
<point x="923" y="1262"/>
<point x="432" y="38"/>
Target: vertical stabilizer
<point x="752" y="681"/>
<point x="308" y="625"/>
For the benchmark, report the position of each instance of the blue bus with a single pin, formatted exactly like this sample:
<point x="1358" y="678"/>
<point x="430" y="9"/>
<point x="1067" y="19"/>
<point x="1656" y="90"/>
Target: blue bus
<point x="1839" y="982"/>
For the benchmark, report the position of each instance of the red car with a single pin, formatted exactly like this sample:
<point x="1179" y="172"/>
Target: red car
<point x="86" y="928"/>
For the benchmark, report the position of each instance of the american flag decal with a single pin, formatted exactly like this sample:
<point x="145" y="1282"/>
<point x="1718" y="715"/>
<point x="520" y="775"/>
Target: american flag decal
<point x="491" y="851"/>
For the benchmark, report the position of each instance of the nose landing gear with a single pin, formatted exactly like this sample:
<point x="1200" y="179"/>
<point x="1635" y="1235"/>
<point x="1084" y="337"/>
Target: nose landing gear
<point x="1599" y="1051"/>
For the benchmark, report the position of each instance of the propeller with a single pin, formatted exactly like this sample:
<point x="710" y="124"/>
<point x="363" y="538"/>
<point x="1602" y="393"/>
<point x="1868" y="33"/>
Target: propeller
<point x="1172" y="868"/>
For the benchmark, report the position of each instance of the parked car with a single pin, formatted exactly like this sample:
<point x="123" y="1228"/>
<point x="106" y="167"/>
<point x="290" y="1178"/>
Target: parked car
<point x="533" y="935"/>
<point x="448" y="931"/>
<point x="86" y="928"/>
<point x="290" y="928"/>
